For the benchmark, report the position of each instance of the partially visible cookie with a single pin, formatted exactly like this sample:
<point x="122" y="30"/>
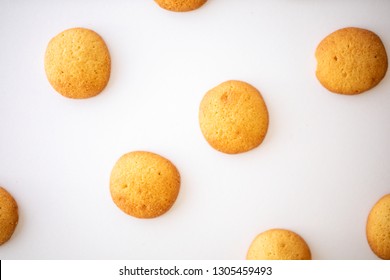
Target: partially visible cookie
<point x="278" y="244"/>
<point x="233" y="117"/>
<point x="77" y="63"/>
<point x="8" y="215"/>
<point x="378" y="228"/>
<point x="144" y="184"/>
<point x="180" y="5"/>
<point x="351" y="60"/>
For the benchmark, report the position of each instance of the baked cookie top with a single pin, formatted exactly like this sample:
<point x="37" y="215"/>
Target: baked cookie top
<point x="278" y="244"/>
<point x="144" y="184"/>
<point x="180" y="5"/>
<point x="378" y="228"/>
<point x="77" y="63"/>
<point x="233" y="117"/>
<point x="9" y="216"/>
<point x="351" y="60"/>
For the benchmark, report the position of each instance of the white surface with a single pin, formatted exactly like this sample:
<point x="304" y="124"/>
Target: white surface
<point x="324" y="162"/>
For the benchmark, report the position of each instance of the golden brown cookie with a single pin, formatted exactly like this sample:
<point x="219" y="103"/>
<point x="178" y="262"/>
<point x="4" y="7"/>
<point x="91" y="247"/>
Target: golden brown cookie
<point x="351" y="60"/>
<point x="8" y="215"/>
<point x="180" y="5"/>
<point x="233" y="117"/>
<point x="144" y="184"/>
<point x="77" y="63"/>
<point x="278" y="244"/>
<point x="378" y="228"/>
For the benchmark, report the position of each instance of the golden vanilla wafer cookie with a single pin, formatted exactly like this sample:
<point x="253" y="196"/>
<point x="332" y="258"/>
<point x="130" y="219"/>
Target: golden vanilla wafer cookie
<point x="180" y="5"/>
<point x="233" y="117"/>
<point x="9" y="216"/>
<point x="77" y="63"/>
<point x="351" y="60"/>
<point x="144" y="184"/>
<point x="278" y="244"/>
<point x="378" y="228"/>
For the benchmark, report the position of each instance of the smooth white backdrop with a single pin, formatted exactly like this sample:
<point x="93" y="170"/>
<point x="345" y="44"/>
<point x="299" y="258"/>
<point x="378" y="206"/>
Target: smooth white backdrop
<point x="323" y="164"/>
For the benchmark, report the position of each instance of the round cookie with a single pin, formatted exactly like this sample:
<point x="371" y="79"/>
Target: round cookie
<point x="378" y="228"/>
<point x="180" y="5"/>
<point x="278" y="244"/>
<point x="233" y="117"/>
<point x="77" y="63"/>
<point x="144" y="184"/>
<point x="8" y="215"/>
<point x="350" y="61"/>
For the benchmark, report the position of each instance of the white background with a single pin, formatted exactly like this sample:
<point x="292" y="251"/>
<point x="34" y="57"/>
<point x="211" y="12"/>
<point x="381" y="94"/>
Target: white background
<point x="322" y="166"/>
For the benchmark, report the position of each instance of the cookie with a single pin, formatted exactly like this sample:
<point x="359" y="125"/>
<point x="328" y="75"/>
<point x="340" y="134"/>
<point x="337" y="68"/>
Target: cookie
<point x="233" y="117"/>
<point x="8" y="215"/>
<point x="350" y="61"/>
<point x="378" y="228"/>
<point x="77" y="63"/>
<point x="144" y="184"/>
<point x="278" y="244"/>
<point x="180" y="5"/>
